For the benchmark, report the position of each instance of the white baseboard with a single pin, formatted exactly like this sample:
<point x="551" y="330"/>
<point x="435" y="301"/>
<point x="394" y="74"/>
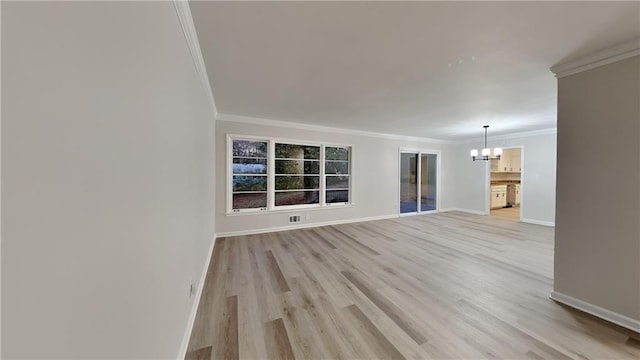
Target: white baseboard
<point x="302" y="226"/>
<point x="595" y="310"/>
<point x="538" y="222"/>
<point x="475" y="212"/>
<point x="194" y="309"/>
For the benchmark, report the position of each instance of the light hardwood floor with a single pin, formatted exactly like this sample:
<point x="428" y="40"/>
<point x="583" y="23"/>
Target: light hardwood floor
<point x="444" y="286"/>
<point x="512" y="213"/>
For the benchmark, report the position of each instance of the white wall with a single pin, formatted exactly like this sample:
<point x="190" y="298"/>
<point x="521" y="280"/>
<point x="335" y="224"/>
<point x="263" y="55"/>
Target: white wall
<point x="538" y="176"/>
<point x="597" y="254"/>
<point x="107" y="195"/>
<point x="468" y="179"/>
<point x="374" y="174"/>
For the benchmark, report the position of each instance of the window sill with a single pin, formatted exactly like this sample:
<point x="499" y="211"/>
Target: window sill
<point x="290" y="210"/>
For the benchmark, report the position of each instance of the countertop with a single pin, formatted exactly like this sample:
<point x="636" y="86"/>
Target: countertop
<point x="505" y="182"/>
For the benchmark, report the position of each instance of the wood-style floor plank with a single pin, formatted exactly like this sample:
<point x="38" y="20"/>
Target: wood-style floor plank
<point x="393" y="312"/>
<point x="373" y="336"/>
<point x="445" y="286"/>
<point x="277" y="340"/>
<point x="228" y="345"/>
<point x="279" y="282"/>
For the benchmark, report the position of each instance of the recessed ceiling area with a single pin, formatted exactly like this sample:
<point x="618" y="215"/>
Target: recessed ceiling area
<point x="431" y="69"/>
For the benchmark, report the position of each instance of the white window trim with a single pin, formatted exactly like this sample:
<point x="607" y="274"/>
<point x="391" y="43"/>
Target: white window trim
<point x="271" y="208"/>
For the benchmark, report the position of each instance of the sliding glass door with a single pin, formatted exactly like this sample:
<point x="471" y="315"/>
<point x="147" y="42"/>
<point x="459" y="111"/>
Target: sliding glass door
<point x="428" y="181"/>
<point x="418" y="182"/>
<point x="408" y="183"/>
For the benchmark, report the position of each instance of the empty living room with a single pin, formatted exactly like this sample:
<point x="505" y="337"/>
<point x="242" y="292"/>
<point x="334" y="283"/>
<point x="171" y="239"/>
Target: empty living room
<point x="187" y="179"/>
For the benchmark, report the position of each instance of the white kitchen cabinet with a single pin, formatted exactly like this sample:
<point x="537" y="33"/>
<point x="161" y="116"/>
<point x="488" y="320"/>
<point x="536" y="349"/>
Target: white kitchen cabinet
<point x="517" y="194"/>
<point x="505" y="162"/>
<point x="495" y="165"/>
<point x="514" y="162"/>
<point x="498" y="196"/>
<point x="509" y="162"/>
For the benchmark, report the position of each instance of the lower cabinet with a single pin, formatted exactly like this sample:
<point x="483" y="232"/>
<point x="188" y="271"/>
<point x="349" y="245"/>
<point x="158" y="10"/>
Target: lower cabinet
<point x="498" y="196"/>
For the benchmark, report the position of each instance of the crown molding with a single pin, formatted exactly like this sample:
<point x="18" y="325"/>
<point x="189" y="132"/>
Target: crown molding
<point x="183" y="11"/>
<point x="525" y="134"/>
<point x="511" y="135"/>
<point x="600" y="58"/>
<point x="310" y="127"/>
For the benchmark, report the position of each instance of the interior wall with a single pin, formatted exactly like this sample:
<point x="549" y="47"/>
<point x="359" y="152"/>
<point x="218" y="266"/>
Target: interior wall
<point x="107" y="180"/>
<point x="538" y="176"/>
<point x="375" y="177"/>
<point x="469" y="179"/>
<point x="597" y="254"/>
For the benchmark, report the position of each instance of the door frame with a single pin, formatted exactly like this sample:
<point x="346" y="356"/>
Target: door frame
<point x="487" y="194"/>
<point x="419" y="152"/>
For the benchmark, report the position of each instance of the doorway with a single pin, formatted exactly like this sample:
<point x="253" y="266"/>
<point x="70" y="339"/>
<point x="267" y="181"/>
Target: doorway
<point x="419" y="174"/>
<point x="505" y="185"/>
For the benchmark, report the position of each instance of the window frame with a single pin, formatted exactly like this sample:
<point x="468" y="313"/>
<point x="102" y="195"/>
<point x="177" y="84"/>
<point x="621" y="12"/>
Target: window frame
<point x="324" y="175"/>
<point x="229" y="175"/>
<point x="271" y="175"/>
<point x="273" y="160"/>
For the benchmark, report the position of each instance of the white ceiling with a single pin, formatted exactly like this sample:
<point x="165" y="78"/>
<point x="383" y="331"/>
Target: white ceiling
<point x="431" y="69"/>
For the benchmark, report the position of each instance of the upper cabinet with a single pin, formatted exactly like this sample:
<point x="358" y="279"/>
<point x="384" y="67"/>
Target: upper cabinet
<point x="516" y="162"/>
<point x="510" y="161"/>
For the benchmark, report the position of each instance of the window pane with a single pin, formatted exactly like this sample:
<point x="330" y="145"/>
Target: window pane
<point x="249" y="166"/>
<point x="297" y="197"/>
<point x="290" y="151"/>
<point x="250" y="148"/>
<point x="249" y="201"/>
<point x="337" y="196"/>
<point x="249" y="183"/>
<point x="337" y="182"/>
<point x="297" y="167"/>
<point x="297" y="182"/>
<point x="336" y="153"/>
<point x="336" y="167"/>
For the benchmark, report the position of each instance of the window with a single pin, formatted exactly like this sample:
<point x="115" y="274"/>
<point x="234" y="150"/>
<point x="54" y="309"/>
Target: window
<point x="249" y="174"/>
<point x="271" y="175"/>
<point x="336" y="169"/>
<point x="297" y="174"/>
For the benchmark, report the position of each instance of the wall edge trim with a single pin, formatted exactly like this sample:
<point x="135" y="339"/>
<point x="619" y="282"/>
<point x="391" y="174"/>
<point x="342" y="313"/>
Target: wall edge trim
<point x="509" y="136"/>
<point x="182" y="352"/>
<point x="329" y="129"/>
<point x="183" y="11"/>
<point x="597" y="59"/>
<point x="302" y="226"/>
<point x="539" y="222"/>
<point x="475" y="212"/>
<point x="596" y="310"/>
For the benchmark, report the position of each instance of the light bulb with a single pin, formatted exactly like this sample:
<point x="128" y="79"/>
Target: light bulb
<point x="486" y="152"/>
<point x="497" y="151"/>
<point x="474" y="152"/>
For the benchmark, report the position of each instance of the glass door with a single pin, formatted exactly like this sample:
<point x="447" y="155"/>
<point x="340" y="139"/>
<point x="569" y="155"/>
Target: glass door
<point x="408" y="183"/>
<point x="418" y="182"/>
<point x="428" y="181"/>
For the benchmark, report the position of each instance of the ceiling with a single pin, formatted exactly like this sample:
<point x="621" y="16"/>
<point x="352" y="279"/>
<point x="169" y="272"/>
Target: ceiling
<point x="432" y="69"/>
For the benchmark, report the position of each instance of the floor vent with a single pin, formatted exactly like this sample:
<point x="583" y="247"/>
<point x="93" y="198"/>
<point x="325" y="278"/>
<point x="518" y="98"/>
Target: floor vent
<point x="294" y="219"/>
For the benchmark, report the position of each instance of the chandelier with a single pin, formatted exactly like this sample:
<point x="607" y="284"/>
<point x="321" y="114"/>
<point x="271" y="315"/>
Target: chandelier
<point x="486" y="152"/>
